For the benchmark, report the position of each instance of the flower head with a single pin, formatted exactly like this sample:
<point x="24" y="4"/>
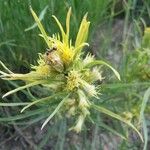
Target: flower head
<point x="73" y="80"/>
<point x="69" y="77"/>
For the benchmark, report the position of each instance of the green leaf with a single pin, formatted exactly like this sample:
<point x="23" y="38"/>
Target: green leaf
<point x="45" y="138"/>
<point x="13" y="104"/>
<point x="64" y="36"/>
<point x="145" y="132"/>
<point x="41" y="28"/>
<point x="142" y="118"/>
<point x="8" y="42"/>
<point x="22" y="87"/>
<point x="100" y="62"/>
<point x="68" y="24"/>
<point x="41" y="16"/>
<point x="116" y="116"/>
<point x="40" y="100"/>
<point x="31" y="121"/>
<point x="112" y="130"/>
<point x="3" y="74"/>
<point x="6" y="68"/>
<point x="54" y="112"/>
<point x="125" y="85"/>
<point x="145" y="100"/>
<point x="23" y="116"/>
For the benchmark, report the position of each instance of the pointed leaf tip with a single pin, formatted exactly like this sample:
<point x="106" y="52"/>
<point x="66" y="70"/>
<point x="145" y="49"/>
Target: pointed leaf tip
<point x="100" y="62"/>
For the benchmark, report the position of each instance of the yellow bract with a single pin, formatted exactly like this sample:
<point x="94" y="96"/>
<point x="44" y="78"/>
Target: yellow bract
<point x="83" y="32"/>
<point x="66" y="51"/>
<point x="42" y="69"/>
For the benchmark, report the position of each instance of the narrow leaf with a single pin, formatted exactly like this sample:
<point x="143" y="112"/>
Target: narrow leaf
<point x="116" y="116"/>
<point x="68" y="24"/>
<point x="112" y="130"/>
<point x="145" y="100"/>
<point x="83" y="31"/>
<point x="40" y="100"/>
<point x="22" y="87"/>
<point x="142" y="117"/>
<point x="145" y="132"/>
<point x="5" y="67"/>
<point x="41" y="28"/>
<point x="61" y="29"/>
<point x="41" y="16"/>
<point x="54" y="112"/>
<point x="77" y="49"/>
<point x="3" y="74"/>
<point x="13" y="104"/>
<point x="23" y="116"/>
<point x="100" y="62"/>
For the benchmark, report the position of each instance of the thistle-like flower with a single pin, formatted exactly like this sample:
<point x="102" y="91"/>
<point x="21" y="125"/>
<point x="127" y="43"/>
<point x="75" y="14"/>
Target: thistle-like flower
<point x="70" y="77"/>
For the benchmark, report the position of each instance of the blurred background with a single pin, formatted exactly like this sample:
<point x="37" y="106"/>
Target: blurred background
<point x="116" y="31"/>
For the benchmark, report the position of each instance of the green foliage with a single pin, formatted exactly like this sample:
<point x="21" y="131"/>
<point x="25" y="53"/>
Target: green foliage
<point x="19" y="45"/>
<point x="64" y="70"/>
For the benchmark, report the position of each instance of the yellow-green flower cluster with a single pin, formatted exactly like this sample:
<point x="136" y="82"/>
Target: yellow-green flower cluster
<point x="65" y="72"/>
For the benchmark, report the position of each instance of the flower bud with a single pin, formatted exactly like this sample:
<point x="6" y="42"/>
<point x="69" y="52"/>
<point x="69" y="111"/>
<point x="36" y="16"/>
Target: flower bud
<point x="79" y="124"/>
<point x="88" y="59"/>
<point x="71" y="111"/>
<point x="128" y="116"/>
<point x="83" y="102"/>
<point x="73" y="80"/>
<point x="97" y="74"/>
<point x="89" y="88"/>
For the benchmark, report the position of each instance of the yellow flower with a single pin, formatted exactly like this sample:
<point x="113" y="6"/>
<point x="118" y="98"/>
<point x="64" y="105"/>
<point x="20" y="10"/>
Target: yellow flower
<point x="66" y="53"/>
<point x="66" y="50"/>
<point x="73" y="80"/>
<point x="66" y="74"/>
<point x="42" y="69"/>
